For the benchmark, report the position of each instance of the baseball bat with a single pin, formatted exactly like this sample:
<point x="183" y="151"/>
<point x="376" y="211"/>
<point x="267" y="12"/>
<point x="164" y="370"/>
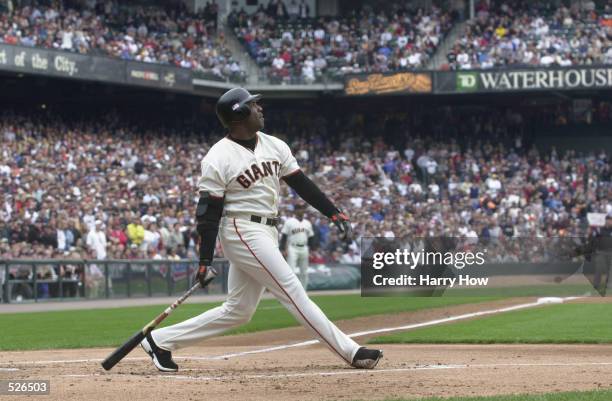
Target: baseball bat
<point x="130" y="344"/>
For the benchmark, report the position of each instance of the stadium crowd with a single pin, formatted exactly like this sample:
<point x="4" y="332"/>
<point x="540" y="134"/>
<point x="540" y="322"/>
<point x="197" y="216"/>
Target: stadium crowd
<point x="71" y="190"/>
<point x="535" y="33"/>
<point x="290" y="45"/>
<point x="151" y="34"/>
<point x="291" y="48"/>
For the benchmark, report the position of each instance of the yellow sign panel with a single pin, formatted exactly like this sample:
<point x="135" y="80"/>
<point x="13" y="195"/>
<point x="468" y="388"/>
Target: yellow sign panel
<point x="377" y="84"/>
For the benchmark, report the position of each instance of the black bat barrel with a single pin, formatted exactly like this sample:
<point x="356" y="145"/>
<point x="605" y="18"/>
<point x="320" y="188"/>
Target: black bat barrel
<point x="122" y="351"/>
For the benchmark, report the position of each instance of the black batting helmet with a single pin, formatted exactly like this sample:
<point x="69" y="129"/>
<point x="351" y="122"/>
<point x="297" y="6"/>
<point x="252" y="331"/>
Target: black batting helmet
<point x="233" y="106"/>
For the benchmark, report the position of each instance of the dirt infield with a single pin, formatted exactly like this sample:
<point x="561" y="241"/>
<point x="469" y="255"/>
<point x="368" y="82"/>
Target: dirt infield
<point x="314" y="373"/>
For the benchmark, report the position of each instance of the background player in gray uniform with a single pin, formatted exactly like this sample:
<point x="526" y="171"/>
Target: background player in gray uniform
<point x="297" y="237"/>
<point x="601" y="244"/>
<point x="239" y="194"/>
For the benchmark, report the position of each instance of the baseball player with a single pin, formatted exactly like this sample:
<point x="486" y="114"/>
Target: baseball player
<point x="601" y="243"/>
<point x="297" y="236"/>
<point x="239" y="195"/>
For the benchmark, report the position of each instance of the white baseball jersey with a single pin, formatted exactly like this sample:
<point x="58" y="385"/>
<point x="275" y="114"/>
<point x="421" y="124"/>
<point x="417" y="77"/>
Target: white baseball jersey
<point x="249" y="179"/>
<point x="297" y="231"/>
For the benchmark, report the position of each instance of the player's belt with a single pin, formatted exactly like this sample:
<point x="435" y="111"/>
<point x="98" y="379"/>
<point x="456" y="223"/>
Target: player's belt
<point x="264" y="220"/>
<point x="269" y="221"/>
<point x="300" y="245"/>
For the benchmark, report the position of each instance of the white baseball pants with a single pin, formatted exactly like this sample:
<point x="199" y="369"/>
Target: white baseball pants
<point x="256" y="263"/>
<point x="297" y="258"/>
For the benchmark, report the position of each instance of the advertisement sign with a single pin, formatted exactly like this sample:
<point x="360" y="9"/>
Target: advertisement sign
<point x="78" y="66"/>
<point x="377" y="84"/>
<point x="532" y="79"/>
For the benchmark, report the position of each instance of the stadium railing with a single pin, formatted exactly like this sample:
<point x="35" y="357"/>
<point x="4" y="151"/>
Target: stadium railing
<point x="78" y="279"/>
<point x="41" y="280"/>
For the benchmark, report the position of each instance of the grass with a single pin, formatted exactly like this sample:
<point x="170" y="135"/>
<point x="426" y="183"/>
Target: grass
<point x="599" y="395"/>
<point x="562" y="323"/>
<point x="111" y="327"/>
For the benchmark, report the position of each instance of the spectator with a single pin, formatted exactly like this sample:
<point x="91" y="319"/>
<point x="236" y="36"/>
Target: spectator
<point x="350" y="257"/>
<point x="96" y="241"/>
<point x="117" y="235"/>
<point x="293" y="10"/>
<point x="303" y="10"/>
<point x="136" y="231"/>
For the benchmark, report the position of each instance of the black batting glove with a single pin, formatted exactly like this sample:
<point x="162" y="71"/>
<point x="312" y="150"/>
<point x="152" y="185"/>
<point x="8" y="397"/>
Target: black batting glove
<point x="343" y="223"/>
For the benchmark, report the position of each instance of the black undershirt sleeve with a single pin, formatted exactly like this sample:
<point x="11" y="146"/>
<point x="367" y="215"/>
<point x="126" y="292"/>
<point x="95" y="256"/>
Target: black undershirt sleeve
<point x="310" y="192"/>
<point x="283" y="242"/>
<point x="208" y="237"/>
<point x="208" y="216"/>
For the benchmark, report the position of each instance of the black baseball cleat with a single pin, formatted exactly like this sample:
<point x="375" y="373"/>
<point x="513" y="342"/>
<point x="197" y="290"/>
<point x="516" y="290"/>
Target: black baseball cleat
<point x="366" y="358"/>
<point x="162" y="359"/>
